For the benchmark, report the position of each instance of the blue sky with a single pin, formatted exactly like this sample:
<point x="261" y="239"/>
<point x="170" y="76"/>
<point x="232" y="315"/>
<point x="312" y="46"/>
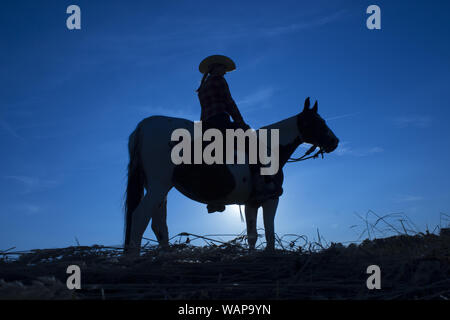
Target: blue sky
<point x="69" y="100"/>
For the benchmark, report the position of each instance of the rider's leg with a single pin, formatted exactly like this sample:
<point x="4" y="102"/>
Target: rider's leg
<point x="221" y="122"/>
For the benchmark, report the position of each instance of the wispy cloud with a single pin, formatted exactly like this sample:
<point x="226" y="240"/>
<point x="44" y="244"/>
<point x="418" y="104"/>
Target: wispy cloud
<point x="417" y="121"/>
<point x="6" y="127"/>
<point x="256" y="99"/>
<point x="198" y="32"/>
<point x="28" y="208"/>
<point x="177" y="112"/>
<point x="317" y="22"/>
<point x="375" y="150"/>
<point x="239" y="30"/>
<point x="250" y="102"/>
<point x="408" y="198"/>
<point x="32" y="184"/>
<point x="344" y="148"/>
<point x="347" y="115"/>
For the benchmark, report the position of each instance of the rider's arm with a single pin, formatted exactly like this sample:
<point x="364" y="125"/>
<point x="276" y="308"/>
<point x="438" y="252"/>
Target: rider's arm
<point x="231" y="105"/>
<point x="234" y="111"/>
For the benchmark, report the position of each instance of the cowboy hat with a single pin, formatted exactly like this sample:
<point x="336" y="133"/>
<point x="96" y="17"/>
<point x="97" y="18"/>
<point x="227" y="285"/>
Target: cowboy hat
<point x="216" y="59"/>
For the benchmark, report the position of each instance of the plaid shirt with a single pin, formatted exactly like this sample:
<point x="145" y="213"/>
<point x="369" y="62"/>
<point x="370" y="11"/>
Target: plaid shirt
<point x="215" y="98"/>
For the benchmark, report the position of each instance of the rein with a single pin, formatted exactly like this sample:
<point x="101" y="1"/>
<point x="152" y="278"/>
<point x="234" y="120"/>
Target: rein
<point x="305" y="156"/>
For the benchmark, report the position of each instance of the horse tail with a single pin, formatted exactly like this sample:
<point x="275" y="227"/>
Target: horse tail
<point x="136" y="180"/>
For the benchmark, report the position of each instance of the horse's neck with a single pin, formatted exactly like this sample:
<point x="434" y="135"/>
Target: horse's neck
<point x="290" y="137"/>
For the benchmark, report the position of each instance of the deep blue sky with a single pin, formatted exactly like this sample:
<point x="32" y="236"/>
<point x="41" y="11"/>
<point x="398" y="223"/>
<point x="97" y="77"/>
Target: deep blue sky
<point x="69" y="100"/>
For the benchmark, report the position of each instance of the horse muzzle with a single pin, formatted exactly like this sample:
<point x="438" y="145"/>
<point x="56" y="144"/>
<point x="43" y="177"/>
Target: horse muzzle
<point x="332" y="146"/>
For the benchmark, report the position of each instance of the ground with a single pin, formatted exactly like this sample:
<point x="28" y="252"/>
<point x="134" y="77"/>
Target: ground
<point x="412" y="267"/>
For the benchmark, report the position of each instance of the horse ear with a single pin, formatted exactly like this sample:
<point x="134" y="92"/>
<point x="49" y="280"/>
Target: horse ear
<point x="307" y="104"/>
<point x="315" y="107"/>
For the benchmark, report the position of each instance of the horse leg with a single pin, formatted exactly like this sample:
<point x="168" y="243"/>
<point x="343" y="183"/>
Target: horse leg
<point x="251" y="214"/>
<point x="269" y="210"/>
<point x="159" y="224"/>
<point x="147" y="208"/>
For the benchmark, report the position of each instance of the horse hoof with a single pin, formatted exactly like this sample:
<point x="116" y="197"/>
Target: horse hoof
<point x="131" y="253"/>
<point x="269" y="249"/>
<point x="128" y="258"/>
<point x="164" y="246"/>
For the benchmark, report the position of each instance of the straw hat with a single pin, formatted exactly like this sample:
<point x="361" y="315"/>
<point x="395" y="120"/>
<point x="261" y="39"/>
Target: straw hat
<point x="216" y="59"/>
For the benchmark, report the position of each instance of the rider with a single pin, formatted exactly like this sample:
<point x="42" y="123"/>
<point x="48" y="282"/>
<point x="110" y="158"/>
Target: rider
<point x="214" y="94"/>
<point x="217" y="106"/>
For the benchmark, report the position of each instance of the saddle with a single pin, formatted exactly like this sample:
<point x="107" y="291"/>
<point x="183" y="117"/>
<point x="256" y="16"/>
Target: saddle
<point x="264" y="187"/>
<point x="214" y="181"/>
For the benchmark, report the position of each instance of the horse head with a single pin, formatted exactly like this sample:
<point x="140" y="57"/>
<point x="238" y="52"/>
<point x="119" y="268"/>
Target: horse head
<point x="314" y="129"/>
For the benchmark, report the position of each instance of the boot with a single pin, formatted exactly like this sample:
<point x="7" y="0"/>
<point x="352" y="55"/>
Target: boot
<point x="215" y="207"/>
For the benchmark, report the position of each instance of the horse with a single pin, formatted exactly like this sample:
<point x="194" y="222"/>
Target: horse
<point x="150" y="168"/>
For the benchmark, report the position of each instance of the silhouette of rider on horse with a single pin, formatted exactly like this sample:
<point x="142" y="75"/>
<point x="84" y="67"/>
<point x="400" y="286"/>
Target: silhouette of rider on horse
<point x="217" y="106"/>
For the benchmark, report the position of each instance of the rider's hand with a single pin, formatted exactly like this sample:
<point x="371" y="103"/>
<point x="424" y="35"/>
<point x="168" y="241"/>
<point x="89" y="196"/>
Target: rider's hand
<point x="244" y="126"/>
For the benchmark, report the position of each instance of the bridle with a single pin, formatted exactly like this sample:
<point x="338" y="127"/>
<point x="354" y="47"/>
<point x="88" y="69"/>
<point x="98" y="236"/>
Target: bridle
<point x="307" y="153"/>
